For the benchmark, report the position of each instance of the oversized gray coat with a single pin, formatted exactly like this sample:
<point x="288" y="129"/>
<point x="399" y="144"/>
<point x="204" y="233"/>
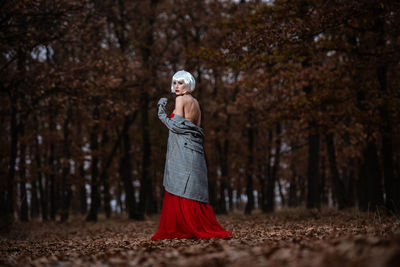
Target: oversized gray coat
<point x="185" y="172"/>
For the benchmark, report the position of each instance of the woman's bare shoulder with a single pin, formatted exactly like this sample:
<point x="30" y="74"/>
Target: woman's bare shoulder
<point x="193" y="99"/>
<point x="179" y="98"/>
<point x="187" y="101"/>
<point x="196" y="102"/>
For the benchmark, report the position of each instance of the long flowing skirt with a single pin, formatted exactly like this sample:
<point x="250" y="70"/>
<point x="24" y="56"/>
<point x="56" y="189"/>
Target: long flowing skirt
<point x="187" y="218"/>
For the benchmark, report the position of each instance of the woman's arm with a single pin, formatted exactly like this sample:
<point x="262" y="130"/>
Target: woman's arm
<point x="162" y="115"/>
<point x="179" y="106"/>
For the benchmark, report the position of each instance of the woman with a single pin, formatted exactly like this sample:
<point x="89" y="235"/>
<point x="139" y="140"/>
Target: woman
<point x="185" y="212"/>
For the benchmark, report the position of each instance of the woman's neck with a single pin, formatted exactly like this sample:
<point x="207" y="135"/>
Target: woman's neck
<point x="187" y="93"/>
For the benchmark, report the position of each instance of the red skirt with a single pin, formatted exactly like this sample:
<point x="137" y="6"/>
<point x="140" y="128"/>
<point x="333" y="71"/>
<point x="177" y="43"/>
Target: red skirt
<point x="187" y="218"/>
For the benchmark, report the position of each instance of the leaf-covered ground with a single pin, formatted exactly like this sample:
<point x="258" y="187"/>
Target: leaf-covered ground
<point x="285" y="238"/>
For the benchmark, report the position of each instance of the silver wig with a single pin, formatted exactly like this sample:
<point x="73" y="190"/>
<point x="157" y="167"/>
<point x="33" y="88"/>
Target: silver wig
<point x="187" y="78"/>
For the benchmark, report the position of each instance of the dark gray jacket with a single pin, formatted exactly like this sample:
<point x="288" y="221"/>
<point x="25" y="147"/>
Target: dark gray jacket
<point x="185" y="172"/>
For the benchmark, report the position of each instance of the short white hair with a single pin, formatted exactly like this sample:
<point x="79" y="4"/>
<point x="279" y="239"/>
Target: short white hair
<point x="186" y="77"/>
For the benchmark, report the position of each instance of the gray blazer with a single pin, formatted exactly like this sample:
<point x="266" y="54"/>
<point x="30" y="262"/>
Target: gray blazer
<point x="185" y="172"/>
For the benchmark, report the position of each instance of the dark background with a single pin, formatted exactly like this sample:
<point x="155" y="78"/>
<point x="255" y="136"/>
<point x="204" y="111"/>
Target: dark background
<point x="300" y="104"/>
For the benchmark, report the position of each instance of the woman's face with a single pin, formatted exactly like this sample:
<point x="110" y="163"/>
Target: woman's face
<point x="179" y="87"/>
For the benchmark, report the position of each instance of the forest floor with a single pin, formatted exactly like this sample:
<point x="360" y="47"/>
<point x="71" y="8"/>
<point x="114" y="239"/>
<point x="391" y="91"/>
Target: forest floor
<point x="284" y="238"/>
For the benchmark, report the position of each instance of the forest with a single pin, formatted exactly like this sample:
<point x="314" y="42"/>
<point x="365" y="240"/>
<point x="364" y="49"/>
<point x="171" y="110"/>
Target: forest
<point x="300" y="106"/>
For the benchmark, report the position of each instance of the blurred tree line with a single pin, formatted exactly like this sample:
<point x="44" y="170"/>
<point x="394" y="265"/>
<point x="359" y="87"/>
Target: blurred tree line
<point x="300" y="103"/>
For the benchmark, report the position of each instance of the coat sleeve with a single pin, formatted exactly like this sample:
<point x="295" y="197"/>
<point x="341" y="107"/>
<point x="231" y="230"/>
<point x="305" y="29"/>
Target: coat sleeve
<point x="162" y="115"/>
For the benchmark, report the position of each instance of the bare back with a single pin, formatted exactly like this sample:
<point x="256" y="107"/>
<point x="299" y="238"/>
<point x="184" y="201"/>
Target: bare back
<point x="191" y="109"/>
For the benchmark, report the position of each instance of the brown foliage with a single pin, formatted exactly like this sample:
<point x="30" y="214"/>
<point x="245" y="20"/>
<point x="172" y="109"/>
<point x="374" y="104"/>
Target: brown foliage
<point x="288" y="238"/>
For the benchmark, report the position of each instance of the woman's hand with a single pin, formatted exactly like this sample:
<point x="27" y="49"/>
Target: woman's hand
<point x="163" y="102"/>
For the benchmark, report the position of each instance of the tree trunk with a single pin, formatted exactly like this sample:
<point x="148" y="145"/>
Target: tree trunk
<point x="146" y="205"/>
<point x="22" y="174"/>
<point x="249" y="171"/>
<point x="107" y="198"/>
<point x="281" y="195"/>
<point x="293" y="202"/>
<point x="3" y="204"/>
<point x="269" y="204"/>
<point x="313" y="195"/>
<point x="53" y="204"/>
<point x="261" y="199"/>
<point x="302" y="186"/>
<point x="362" y="196"/>
<point x="94" y="147"/>
<point x="222" y="202"/>
<point x="211" y="192"/>
<point x="82" y="174"/>
<point x="43" y="189"/>
<point x="373" y="176"/>
<point x="313" y="183"/>
<point x="323" y="187"/>
<point x="211" y="184"/>
<point x="104" y="178"/>
<point x="392" y="183"/>
<point x="125" y="172"/>
<point x="222" y="152"/>
<point x="3" y="180"/>
<point x="230" y="196"/>
<point x="349" y="177"/>
<point x="348" y="180"/>
<point x="277" y="156"/>
<point x="37" y="189"/>
<point x="338" y="186"/>
<point x="35" y="211"/>
<point x="119" y="198"/>
<point x="82" y="189"/>
<point x="13" y="157"/>
<point x="147" y="202"/>
<point x="65" y="187"/>
<point x="238" y="198"/>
